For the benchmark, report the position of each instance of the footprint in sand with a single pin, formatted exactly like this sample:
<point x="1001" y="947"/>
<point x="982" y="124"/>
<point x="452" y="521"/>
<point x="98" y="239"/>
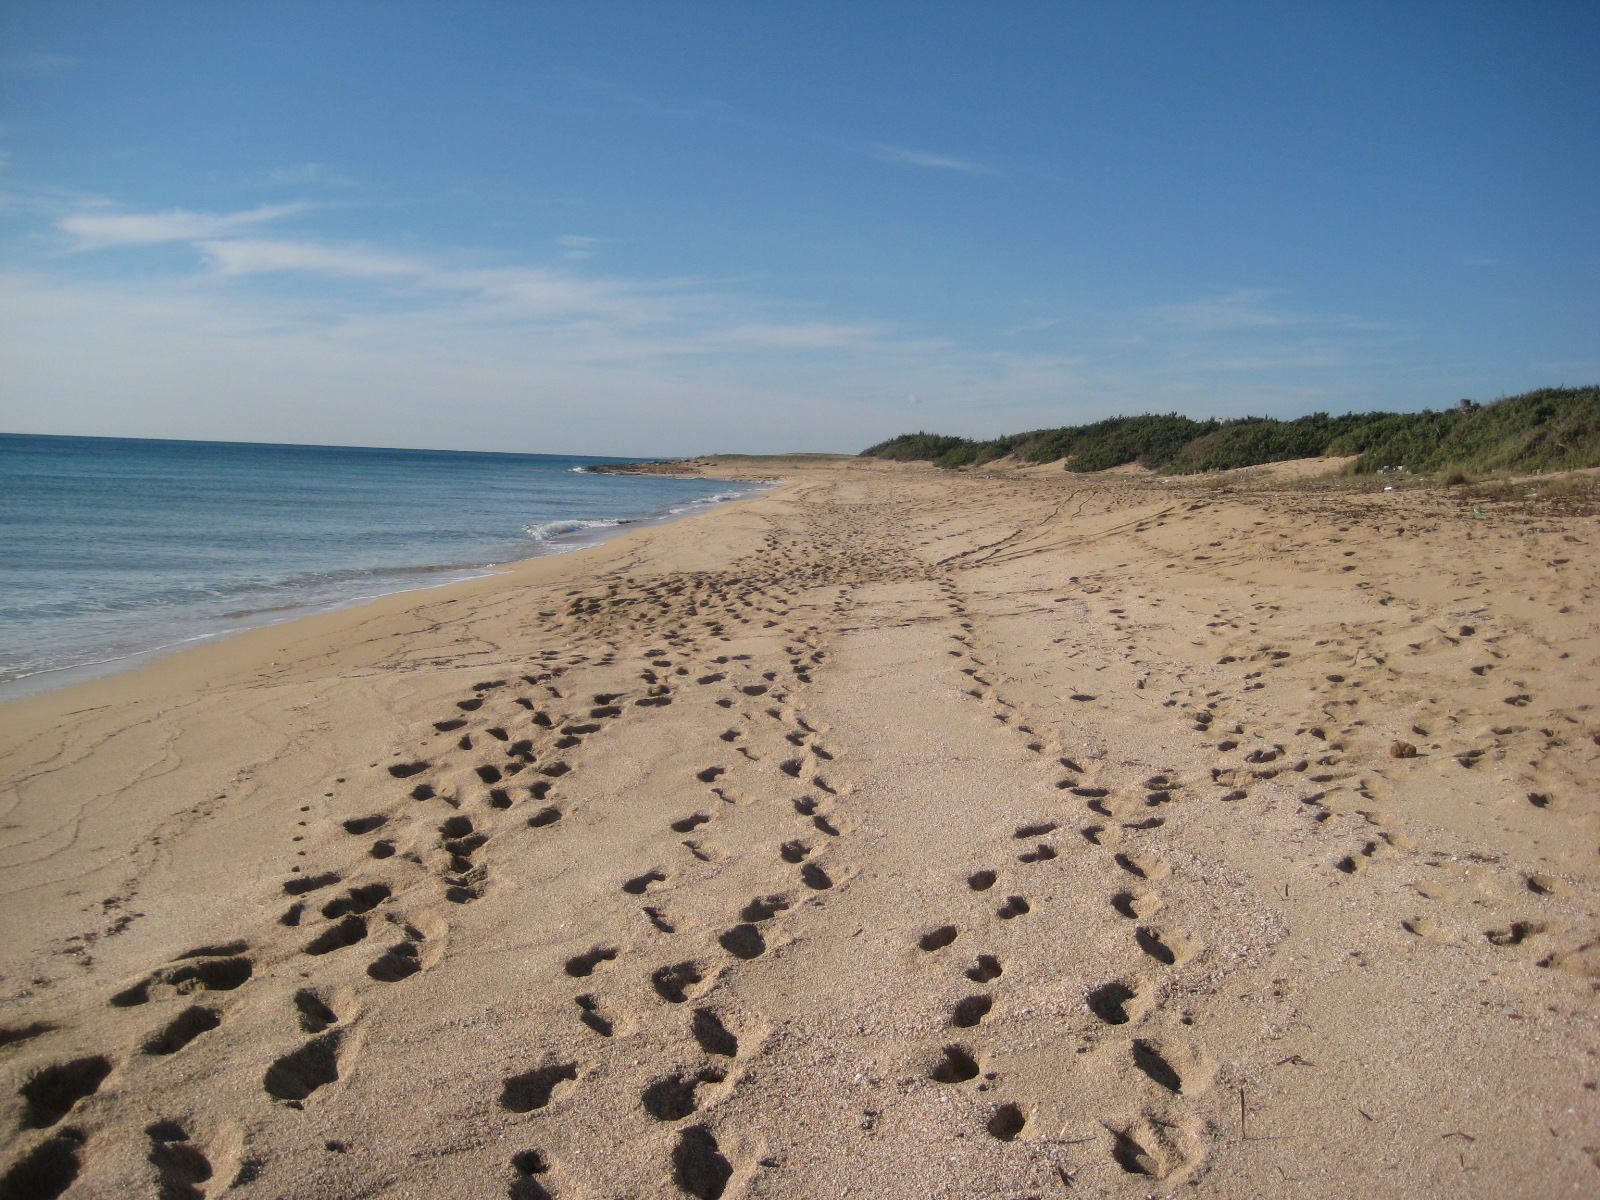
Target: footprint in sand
<point x="640" y="884"/>
<point x="1428" y="929"/>
<point x="212" y="975"/>
<point x="743" y="941"/>
<point x="535" y="1089"/>
<point x="1115" y="1003"/>
<point x="294" y="1077"/>
<point x="712" y="1035"/>
<point x="1164" y="945"/>
<point x="969" y="1011"/>
<point x="181" y="1164"/>
<point x="815" y="877"/>
<point x="1156" y="1148"/>
<point x="181" y="1030"/>
<point x="1143" y="866"/>
<point x="1149" y="1060"/>
<point x="357" y="900"/>
<point x="699" y="1167"/>
<point x="51" y="1093"/>
<point x="1007" y="1122"/>
<point x="580" y="966"/>
<point x="1015" y="906"/>
<point x="954" y="1065"/>
<point x="47" y="1170"/>
<point x="12" y="1035"/>
<point x="672" y="983"/>
<point x="676" y="1096"/>
<point x="595" y="1016"/>
<point x="526" y="1166"/>
<point x="347" y="932"/>
<point x="1180" y="1069"/>
<point x="545" y="816"/>
<point x="764" y="908"/>
<point x="310" y="883"/>
<point x="315" y="1015"/>
<point x="1520" y="931"/>
<point x="987" y="968"/>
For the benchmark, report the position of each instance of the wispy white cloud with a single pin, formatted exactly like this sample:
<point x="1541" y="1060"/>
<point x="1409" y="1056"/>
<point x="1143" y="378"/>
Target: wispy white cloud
<point x="584" y="316"/>
<point x="923" y="158"/>
<point x="1245" y="312"/>
<point x="264" y="256"/>
<point x="680" y="363"/>
<point x="1299" y="356"/>
<point x="580" y="246"/>
<point x="1037" y="325"/>
<point x="411" y="350"/>
<point x="810" y="335"/>
<point x="307" y="174"/>
<point x="1242" y="308"/>
<point x="98" y="230"/>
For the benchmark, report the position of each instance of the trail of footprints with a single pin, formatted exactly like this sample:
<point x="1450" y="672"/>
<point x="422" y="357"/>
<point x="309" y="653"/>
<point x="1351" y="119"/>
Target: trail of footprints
<point x="429" y="846"/>
<point x="706" y="1070"/>
<point x="698" y="1166"/>
<point x="1163" y="1141"/>
<point x="431" y="849"/>
<point x="498" y="770"/>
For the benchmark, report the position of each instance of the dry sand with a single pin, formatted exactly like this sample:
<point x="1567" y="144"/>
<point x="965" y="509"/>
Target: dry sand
<point x="894" y="834"/>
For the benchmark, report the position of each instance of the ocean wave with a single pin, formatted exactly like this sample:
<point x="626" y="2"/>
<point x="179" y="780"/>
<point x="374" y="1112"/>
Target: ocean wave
<point x="700" y="502"/>
<point x="551" y="529"/>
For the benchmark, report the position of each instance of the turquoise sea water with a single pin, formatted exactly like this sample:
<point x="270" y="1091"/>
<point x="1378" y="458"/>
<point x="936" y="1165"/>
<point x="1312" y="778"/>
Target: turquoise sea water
<point x="111" y="548"/>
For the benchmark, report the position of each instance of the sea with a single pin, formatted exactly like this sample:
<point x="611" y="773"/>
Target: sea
<point x="113" y="550"/>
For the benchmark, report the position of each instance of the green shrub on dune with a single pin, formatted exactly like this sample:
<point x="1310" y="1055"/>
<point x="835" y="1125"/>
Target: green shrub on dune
<point x="914" y="447"/>
<point x="1552" y="429"/>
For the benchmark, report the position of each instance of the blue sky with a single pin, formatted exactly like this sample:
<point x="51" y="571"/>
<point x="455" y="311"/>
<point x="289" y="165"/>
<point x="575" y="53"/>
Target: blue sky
<point x="664" y="228"/>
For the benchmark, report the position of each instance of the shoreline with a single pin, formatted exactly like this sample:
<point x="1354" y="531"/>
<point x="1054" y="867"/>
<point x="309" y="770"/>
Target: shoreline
<point x="51" y="679"/>
<point x="886" y="825"/>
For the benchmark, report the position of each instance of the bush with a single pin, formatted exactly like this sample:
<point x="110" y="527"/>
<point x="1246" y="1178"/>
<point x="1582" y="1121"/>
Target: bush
<point x="1553" y="429"/>
<point x="913" y="447"/>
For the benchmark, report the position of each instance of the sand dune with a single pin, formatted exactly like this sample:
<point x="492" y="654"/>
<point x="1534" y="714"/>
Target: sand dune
<point x="893" y="834"/>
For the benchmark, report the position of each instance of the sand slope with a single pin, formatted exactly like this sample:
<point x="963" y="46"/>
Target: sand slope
<point x="894" y="834"/>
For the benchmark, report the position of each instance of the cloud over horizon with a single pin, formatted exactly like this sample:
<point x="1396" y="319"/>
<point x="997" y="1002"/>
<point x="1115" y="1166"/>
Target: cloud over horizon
<point x="253" y="315"/>
<point x="100" y="230"/>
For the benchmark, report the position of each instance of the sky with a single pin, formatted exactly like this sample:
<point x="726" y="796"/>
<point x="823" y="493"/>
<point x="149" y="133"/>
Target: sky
<point x="673" y="228"/>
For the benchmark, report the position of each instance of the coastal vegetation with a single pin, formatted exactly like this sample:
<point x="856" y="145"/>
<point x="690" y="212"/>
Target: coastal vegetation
<point x="1551" y="429"/>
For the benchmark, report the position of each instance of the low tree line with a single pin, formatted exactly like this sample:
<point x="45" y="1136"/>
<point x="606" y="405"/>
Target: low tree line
<point x="1552" y="429"/>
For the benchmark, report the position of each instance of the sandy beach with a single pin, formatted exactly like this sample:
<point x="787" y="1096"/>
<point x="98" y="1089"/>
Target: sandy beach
<point x="895" y="833"/>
